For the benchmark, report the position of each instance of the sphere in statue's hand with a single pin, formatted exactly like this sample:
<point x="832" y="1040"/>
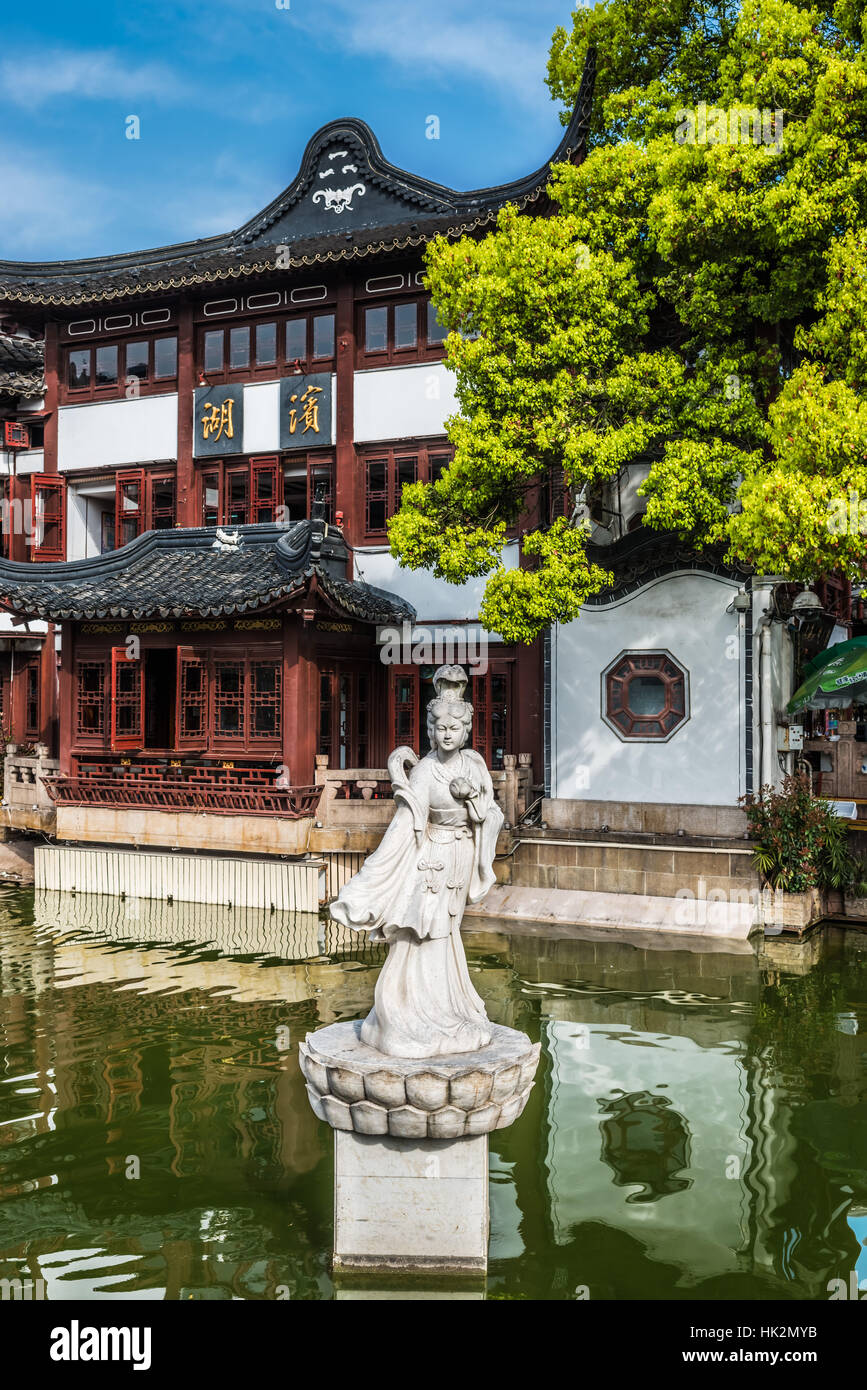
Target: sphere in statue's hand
<point x="460" y="789"/>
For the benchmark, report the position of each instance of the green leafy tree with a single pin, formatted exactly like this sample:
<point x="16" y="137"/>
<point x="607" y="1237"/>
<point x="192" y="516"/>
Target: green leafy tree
<point x="696" y="306"/>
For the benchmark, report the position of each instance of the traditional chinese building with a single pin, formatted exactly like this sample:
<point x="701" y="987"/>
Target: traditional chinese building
<point x="198" y="399"/>
<point x="197" y="545"/>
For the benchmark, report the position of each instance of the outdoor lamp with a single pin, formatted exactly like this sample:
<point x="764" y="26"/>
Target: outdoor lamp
<point x="807" y="605"/>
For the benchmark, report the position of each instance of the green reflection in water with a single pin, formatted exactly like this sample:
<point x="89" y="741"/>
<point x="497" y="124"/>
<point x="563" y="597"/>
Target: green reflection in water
<point x="698" y="1128"/>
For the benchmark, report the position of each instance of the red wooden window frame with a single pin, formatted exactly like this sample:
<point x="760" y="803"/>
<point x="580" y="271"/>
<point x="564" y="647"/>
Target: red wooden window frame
<point x="151" y="384"/>
<point x="492" y="713"/>
<point x="344" y="729"/>
<point x="422" y="350"/>
<point x="264" y="487"/>
<point x="632" y="724"/>
<point x="146" y="515"/>
<point x="92" y="698"/>
<point x="224" y="699"/>
<point x="32" y="701"/>
<point x="423" y="463"/>
<point x="285" y="365"/>
<point x="192" y="695"/>
<point x="264" y="698"/>
<point x="48" y="513"/>
<point x="121" y="661"/>
<point x="403" y="707"/>
<point x="261" y="474"/>
<point x="129" y="517"/>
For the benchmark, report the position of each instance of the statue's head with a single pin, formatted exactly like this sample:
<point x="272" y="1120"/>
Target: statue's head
<point x="449" y="715"/>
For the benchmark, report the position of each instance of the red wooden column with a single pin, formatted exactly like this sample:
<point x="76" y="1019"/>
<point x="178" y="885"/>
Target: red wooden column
<point x="66" y="702"/>
<point x="345" y="489"/>
<point x="52" y="395"/>
<point x="48" y="692"/>
<point x="290" y="698"/>
<point x="186" y="479"/>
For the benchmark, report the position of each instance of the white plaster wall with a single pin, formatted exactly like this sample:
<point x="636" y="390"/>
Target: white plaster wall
<point x="114" y="433"/>
<point x="433" y="599"/>
<point x="702" y="763"/>
<point x="262" y="418"/>
<point x="21" y="462"/>
<point x="84" y="522"/>
<point x="403" y="402"/>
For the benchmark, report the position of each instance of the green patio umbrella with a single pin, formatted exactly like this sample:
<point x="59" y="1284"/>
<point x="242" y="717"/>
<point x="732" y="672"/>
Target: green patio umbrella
<point x="836" y="683"/>
<point x="831" y="653"/>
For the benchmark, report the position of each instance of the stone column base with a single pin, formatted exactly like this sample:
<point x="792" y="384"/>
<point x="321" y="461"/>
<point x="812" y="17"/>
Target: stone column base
<point x="404" y="1204"/>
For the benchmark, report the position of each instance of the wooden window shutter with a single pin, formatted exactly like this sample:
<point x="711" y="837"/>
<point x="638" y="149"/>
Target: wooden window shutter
<point x="48" y="514"/>
<point x="264" y="479"/>
<point x="404" y="708"/>
<point x="481" y="700"/>
<point x="191" y="704"/>
<point x="127" y="701"/>
<point x="129" y="505"/>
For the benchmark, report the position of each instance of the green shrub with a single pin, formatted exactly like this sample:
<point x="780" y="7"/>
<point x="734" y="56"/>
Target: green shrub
<point x="800" y="843"/>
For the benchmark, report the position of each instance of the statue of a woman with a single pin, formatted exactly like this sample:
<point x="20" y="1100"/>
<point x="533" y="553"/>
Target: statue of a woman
<point x="436" y="855"/>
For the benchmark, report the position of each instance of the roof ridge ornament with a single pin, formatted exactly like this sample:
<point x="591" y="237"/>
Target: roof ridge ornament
<point x="227" y="542"/>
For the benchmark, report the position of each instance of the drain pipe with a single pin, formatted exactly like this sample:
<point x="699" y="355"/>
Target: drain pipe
<point x="768" y="749"/>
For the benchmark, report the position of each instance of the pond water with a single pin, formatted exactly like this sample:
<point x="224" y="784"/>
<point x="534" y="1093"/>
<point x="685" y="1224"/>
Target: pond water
<point x="698" y="1127"/>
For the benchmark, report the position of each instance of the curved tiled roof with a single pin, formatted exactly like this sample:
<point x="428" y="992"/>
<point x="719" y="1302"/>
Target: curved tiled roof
<point x="309" y="223"/>
<point x="22" y="369"/>
<point x="178" y="573"/>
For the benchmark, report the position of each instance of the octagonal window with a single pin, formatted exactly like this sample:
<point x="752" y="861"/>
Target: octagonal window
<point x="645" y="695"/>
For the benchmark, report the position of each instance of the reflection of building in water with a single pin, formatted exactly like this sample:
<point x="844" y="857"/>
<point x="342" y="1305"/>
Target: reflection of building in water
<point x="232" y="931"/>
<point x="646" y="1143"/>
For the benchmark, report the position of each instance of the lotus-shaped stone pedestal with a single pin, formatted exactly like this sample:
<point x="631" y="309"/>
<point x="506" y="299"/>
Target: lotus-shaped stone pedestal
<point x="411" y="1144"/>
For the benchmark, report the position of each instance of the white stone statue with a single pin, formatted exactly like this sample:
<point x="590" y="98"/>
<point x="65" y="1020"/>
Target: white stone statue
<point x="436" y="855"/>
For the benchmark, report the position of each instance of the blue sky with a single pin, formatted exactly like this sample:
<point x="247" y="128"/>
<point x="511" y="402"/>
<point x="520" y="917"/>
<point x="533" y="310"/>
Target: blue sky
<point x="228" y="92"/>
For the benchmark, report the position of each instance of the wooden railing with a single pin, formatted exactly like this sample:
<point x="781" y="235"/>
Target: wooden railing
<point x="219" y="791"/>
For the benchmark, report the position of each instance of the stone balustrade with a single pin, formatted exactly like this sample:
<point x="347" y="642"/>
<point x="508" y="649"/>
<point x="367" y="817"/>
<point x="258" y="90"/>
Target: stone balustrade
<point x="359" y="796"/>
<point x="26" y="801"/>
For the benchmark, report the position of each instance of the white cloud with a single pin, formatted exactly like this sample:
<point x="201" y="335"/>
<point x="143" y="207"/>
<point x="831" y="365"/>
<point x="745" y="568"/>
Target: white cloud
<point x="97" y="75"/>
<point x="502" y="47"/>
<point x="45" y="199"/>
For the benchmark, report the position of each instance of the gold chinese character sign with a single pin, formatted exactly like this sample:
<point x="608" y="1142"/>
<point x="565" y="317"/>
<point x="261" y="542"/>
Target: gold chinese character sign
<point x="218" y="421"/>
<point x="305" y="411"/>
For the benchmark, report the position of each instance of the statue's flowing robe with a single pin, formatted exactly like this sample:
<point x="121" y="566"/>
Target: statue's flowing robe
<point x="411" y="892"/>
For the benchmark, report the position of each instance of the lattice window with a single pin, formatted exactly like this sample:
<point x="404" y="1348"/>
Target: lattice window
<point x="163" y="509"/>
<point x="129" y="516"/>
<point x="31" y="704"/>
<point x="90" y="722"/>
<point x="263" y="477"/>
<point x="325" y="724"/>
<point x="265" y="696"/>
<point x="192" y="700"/>
<point x="362" y="719"/>
<point x="229" y="699"/>
<point x="376" y="495"/>
<point x="48" y="502"/>
<point x="127" y="700"/>
<point x="645" y="695"/>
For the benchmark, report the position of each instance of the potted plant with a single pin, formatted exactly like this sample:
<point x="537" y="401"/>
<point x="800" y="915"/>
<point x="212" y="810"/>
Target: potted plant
<point x="801" y="852"/>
